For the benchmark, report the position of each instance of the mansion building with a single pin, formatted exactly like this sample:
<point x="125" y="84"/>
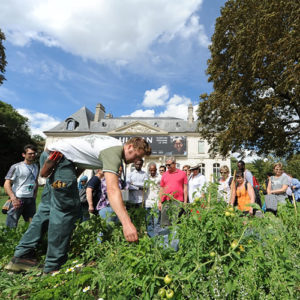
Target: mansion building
<point x="167" y="136"/>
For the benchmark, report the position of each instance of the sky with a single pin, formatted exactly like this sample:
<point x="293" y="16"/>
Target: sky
<point x="135" y="57"/>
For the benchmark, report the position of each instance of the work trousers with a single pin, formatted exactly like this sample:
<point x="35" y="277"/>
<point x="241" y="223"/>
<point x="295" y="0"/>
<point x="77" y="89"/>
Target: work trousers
<point x="60" y="207"/>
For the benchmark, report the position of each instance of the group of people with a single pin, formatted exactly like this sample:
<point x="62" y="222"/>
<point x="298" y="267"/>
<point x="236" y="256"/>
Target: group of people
<point x="64" y="200"/>
<point x="243" y="190"/>
<point x="62" y="163"/>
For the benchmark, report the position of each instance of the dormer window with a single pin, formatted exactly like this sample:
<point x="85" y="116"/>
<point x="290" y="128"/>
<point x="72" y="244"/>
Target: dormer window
<point x="71" y="124"/>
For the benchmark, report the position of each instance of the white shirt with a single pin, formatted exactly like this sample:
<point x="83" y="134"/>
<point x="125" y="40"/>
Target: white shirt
<point x="23" y="177"/>
<point x="152" y="195"/>
<point x="136" y="180"/>
<point x="85" y="150"/>
<point x="196" y="186"/>
<point x="248" y="177"/>
<point x="224" y="190"/>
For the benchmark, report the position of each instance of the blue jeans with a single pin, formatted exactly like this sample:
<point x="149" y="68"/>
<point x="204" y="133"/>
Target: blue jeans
<point x="108" y="214"/>
<point x="152" y="221"/>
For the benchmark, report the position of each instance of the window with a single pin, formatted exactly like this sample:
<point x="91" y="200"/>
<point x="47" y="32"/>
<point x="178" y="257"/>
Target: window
<point x="71" y="125"/>
<point x="216" y="170"/>
<point x="201" y="147"/>
<point x="202" y="169"/>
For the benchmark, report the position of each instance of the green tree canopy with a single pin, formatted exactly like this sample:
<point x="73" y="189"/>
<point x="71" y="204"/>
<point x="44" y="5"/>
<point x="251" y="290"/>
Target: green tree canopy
<point x="14" y="135"/>
<point x="39" y="141"/>
<point x="2" y="57"/>
<point x="254" y="67"/>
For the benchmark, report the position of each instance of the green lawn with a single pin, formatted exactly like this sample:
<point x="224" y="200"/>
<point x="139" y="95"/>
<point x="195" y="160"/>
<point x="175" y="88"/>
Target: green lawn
<point x="4" y="197"/>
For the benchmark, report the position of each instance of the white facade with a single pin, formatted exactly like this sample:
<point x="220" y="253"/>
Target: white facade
<point x="85" y="122"/>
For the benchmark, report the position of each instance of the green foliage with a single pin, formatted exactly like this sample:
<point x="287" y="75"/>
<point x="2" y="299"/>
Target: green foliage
<point x="260" y="168"/>
<point x="293" y="166"/>
<point x="219" y="257"/>
<point x="3" y="61"/>
<point x="254" y="67"/>
<point x="233" y="164"/>
<point x="14" y="135"/>
<point x="39" y="142"/>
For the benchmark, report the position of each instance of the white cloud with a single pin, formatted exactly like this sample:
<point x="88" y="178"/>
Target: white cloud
<point x="143" y="113"/>
<point x="156" y="97"/>
<point x="249" y="156"/>
<point x="101" y="30"/>
<point x="191" y="29"/>
<point x="38" y="122"/>
<point x="176" y="106"/>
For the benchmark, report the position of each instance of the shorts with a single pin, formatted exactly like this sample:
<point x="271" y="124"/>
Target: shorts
<point x="27" y="210"/>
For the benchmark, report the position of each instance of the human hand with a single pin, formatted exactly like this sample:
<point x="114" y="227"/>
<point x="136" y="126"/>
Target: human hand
<point x="159" y="205"/>
<point x="55" y="156"/>
<point x="130" y="233"/>
<point x="16" y="202"/>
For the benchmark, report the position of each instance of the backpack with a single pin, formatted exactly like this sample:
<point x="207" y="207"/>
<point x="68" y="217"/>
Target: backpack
<point x="256" y="188"/>
<point x="82" y="195"/>
<point x="255" y="183"/>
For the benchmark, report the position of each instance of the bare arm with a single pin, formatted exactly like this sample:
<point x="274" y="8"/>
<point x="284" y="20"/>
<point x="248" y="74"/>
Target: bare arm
<point x="8" y="189"/>
<point x="89" y="198"/>
<point x="280" y="191"/>
<point x="116" y="202"/>
<point x="185" y="193"/>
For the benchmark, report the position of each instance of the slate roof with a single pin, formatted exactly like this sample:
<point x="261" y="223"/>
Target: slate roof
<point x="84" y="118"/>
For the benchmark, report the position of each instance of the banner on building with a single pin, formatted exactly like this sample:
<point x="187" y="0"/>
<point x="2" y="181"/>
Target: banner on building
<point x="163" y="145"/>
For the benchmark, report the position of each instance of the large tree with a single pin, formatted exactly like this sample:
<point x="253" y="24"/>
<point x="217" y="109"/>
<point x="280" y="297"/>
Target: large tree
<point x="14" y="135"/>
<point x="254" y="67"/>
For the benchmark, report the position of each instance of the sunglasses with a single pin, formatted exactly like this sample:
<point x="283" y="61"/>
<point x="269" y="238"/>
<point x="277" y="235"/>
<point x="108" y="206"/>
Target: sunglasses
<point x="223" y="172"/>
<point x="168" y="165"/>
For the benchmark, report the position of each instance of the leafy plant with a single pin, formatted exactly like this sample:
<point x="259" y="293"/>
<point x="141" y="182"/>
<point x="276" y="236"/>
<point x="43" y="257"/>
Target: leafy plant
<point x="220" y="256"/>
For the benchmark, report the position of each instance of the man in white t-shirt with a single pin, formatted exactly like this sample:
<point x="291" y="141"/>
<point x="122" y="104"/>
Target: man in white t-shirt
<point x="196" y="184"/>
<point x="60" y="202"/>
<point x="21" y="187"/>
<point x="135" y="181"/>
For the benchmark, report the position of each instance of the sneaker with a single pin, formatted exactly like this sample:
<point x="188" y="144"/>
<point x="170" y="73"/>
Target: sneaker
<point x="18" y="264"/>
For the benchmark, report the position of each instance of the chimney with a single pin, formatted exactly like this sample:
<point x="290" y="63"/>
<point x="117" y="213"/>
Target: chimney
<point x="190" y="114"/>
<point x="100" y="112"/>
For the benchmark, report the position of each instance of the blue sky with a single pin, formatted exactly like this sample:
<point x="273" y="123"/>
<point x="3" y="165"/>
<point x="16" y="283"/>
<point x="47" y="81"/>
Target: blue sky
<point x="136" y="57"/>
